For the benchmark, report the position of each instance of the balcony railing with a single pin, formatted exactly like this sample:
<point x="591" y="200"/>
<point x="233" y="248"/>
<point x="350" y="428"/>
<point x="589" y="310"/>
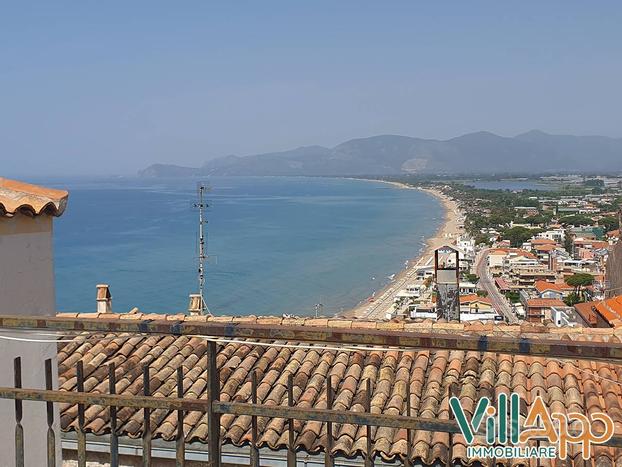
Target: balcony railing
<point x="214" y="408"/>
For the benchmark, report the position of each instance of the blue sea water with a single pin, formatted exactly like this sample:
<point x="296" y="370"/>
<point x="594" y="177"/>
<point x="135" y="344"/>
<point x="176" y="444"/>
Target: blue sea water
<point x="278" y="244"/>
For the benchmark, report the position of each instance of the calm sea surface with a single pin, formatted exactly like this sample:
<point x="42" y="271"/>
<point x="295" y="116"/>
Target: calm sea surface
<point x="279" y="245"/>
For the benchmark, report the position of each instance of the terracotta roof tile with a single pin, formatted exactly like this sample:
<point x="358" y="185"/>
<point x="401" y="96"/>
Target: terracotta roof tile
<point x="425" y="376"/>
<point x="30" y="199"/>
<point x="544" y="302"/>
<point x="610" y="309"/>
<point x="543" y="286"/>
<point x="543" y="241"/>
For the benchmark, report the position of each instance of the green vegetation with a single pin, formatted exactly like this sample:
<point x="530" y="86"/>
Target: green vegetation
<point x="492" y="213"/>
<point x="572" y="299"/>
<point x="494" y="209"/>
<point x="594" y="182"/>
<point x="471" y="278"/>
<point x="578" y="281"/>
<point x="483" y="239"/>
<point x="576" y="220"/>
<point x="609" y="223"/>
<point x="518" y="235"/>
<point x="582" y="279"/>
<point x="540" y="219"/>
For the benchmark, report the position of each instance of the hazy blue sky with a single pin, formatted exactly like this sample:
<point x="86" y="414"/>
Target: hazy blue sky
<point x="109" y="87"/>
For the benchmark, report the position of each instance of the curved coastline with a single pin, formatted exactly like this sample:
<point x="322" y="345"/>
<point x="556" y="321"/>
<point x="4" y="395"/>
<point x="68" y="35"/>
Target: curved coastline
<point x="447" y="233"/>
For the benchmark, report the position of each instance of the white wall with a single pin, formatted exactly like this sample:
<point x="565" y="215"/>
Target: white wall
<point x="495" y="260"/>
<point x="26" y="288"/>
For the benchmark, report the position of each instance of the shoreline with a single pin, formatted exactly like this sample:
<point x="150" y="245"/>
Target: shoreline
<point x="447" y="233"/>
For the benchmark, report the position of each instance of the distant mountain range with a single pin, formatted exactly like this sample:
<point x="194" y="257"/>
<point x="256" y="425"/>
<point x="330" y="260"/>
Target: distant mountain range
<point x="482" y="152"/>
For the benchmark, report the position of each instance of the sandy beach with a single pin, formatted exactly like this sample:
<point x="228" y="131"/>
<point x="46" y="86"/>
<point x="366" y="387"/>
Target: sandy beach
<point x="446" y="234"/>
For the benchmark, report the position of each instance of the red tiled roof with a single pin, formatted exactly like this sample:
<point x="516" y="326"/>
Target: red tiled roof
<point x="470" y="298"/>
<point x="517" y="251"/>
<point x="587" y="311"/>
<point x="544" y="302"/>
<point x="30" y="199"/>
<point x="543" y="286"/>
<point x="422" y="375"/>
<point x="501" y="283"/>
<point x="543" y="241"/>
<point x="544" y="247"/>
<point x="610" y="309"/>
<point x="595" y="244"/>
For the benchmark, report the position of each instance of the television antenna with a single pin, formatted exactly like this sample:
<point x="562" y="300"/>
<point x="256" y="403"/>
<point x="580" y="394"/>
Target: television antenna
<point x="201" y="205"/>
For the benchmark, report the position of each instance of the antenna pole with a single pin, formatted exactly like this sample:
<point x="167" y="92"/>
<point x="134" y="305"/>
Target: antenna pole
<point x="202" y="248"/>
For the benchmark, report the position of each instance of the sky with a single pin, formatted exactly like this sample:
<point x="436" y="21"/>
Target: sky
<point x="100" y="88"/>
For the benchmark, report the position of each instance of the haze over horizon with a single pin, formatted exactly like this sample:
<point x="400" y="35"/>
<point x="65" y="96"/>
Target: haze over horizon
<point x="90" y="88"/>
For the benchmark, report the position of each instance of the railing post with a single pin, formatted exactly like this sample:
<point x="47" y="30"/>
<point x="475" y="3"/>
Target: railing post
<point x="328" y="455"/>
<point x="114" y="437"/>
<point x="81" y="435"/>
<point x="49" y="406"/>
<point x="291" y="452"/>
<point x="409" y="449"/>
<point x="369" y="458"/>
<point x="254" y="451"/>
<point x="147" y="420"/>
<point x="180" y="448"/>
<point x="213" y="395"/>
<point x="19" y="429"/>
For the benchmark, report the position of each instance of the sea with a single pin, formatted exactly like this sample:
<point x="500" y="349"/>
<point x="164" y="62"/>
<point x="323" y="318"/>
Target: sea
<point x="276" y="245"/>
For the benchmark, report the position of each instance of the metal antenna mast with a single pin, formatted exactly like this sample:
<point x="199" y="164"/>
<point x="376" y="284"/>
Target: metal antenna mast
<point x="201" y="205"/>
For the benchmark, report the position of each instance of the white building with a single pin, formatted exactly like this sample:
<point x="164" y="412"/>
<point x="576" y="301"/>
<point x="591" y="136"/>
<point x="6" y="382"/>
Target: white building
<point x="467" y="288"/>
<point x="557" y="235"/>
<point x="27" y="288"/>
<point x="467" y="245"/>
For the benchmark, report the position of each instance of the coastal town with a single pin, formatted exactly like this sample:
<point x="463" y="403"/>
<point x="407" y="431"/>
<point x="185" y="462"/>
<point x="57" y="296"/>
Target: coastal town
<point x="311" y="234"/>
<point x="517" y="292"/>
<point x="539" y="256"/>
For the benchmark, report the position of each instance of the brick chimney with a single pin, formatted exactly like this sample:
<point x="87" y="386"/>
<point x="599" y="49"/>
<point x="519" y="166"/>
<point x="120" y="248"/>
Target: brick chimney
<point x="104" y="299"/>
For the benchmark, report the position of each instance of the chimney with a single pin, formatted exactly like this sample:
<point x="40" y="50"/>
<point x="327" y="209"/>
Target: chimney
<point x="194" y="306"/>
<point x="104" y="299"/>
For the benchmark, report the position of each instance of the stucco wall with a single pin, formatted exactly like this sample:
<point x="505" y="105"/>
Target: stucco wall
<point x="614" y="271"/>
<point x="26" y="288"/>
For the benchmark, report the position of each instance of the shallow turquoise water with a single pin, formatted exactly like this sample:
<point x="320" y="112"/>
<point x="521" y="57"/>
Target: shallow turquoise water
<point x="279" y="244"/>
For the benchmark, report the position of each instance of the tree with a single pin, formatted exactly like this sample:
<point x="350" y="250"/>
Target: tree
<point x="518" y="235"/>
<point x="482" y="239"/>
<point x="572" y="299"/>
<point x="579" y="280"/>
<point x="471" y="278"/>
<point x="540" y="219"/>
<point x="576" y="220"/>
<point x="609" y="223"/>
